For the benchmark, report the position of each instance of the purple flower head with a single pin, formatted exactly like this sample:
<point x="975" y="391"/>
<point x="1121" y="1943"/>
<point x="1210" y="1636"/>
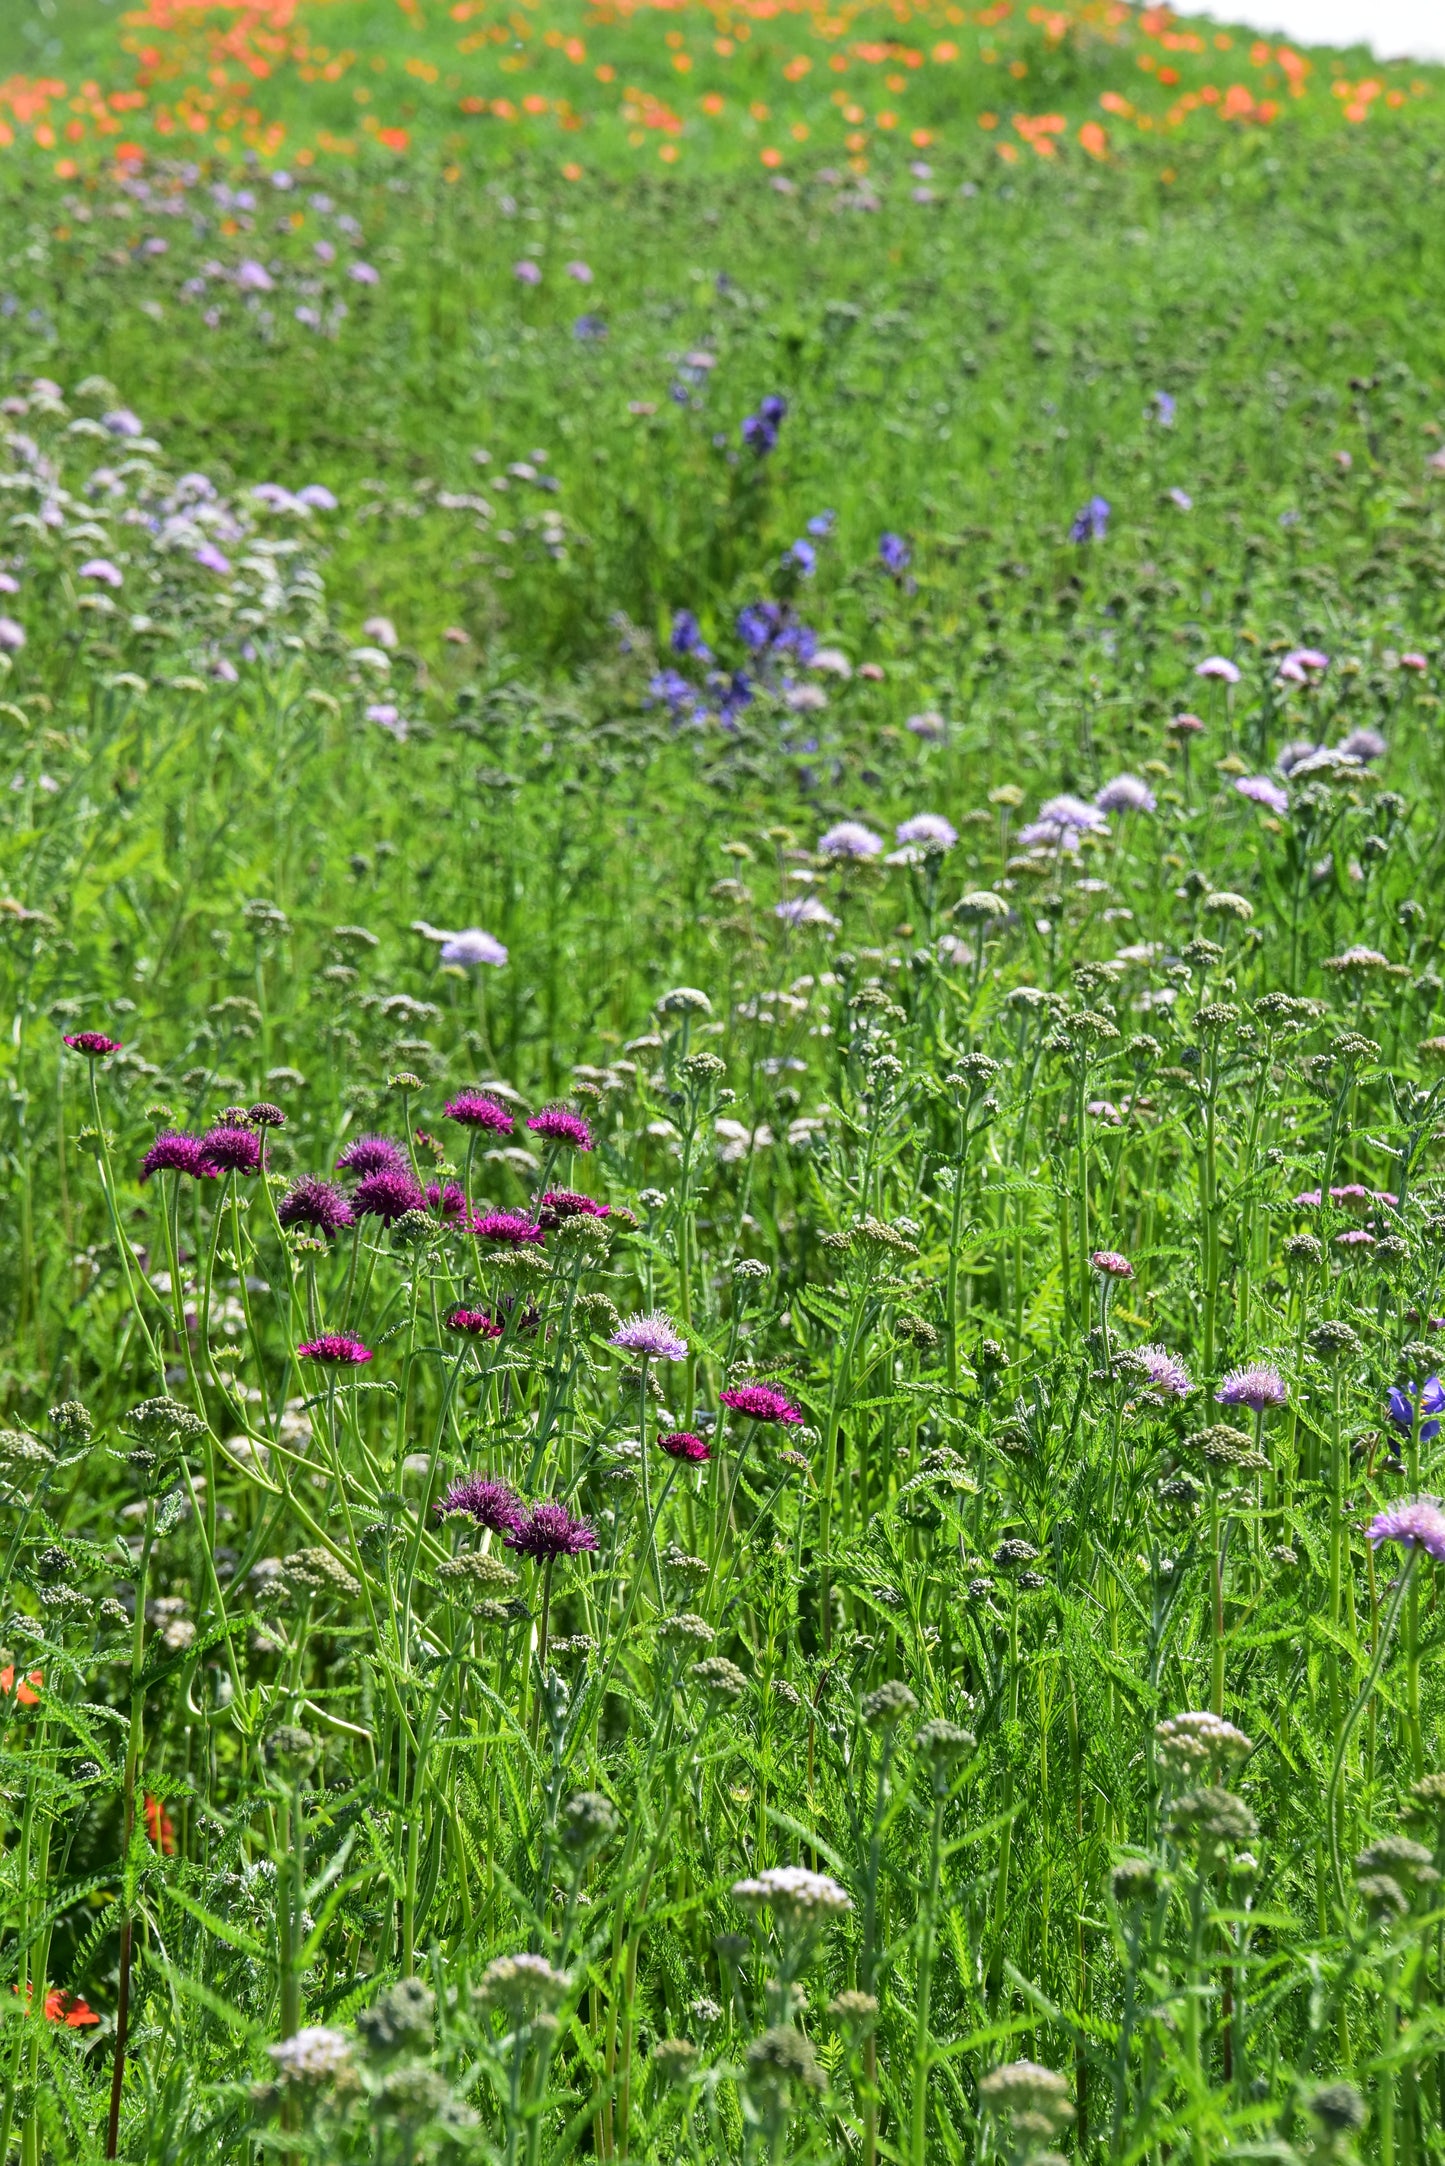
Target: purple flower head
<point x="894" y="554"/>
<point x="229" y="1149"/>
<point x="12" y="636"/>
<point x="1164" y="409"/>
<point x="1060" y="823"/>
<point x="1092" y="523"/>
<point x="474" y="1109"/>
<point x="509" y="1228"/>
<point x="388" y="1196"/>
<point x="1166" y="1372"/>
<point x="850" y="839"/>
<point x="673" y="690"/>
<point x="372" y="1154"/>
<point x="927" y="831"/>
<point x="761" y="1402"/>
<point x="94" y="1044"/>
<point x="473" y="1323"/>
<point x="1257" y="1385"/>
<point x="449" y="1201"/>
<point x="490" y="1503"/>
<point x="1401" y="1404"/>
<point x="337" y="1349"/>
<point x="1291" y="755"/>
<point x="559" y="1124"/>
<point x="1111" y="1265"/>
<point x="1180" y="499"/>
<point x="101" y="568"/>
<point x="654" y="1337"/>
<point x="802" y="557"/>
<point x="1418" y="1523"/>
<point x="1185" y="726"/>
<point x="682" y="1444"/>
<point x="173" y="1152"/>
<point x="1218" y="667"/>
<point x="760" y="430"/>
<point x="822" y="523"/>
<point x="687" y="636"/>
<point x="550" y="1531"/>
<point x="1261" y="791"/>
<point x="1364" y="744"/>
<point x="318" y="1204"/>
<point x="1126" y="793"/>
<point x="473" y="946"/>
<point x="589" y="329"/>
<point x="560" y="1203"/>
<point x="773" y="408"/>
<point x="1355" y="1237"/>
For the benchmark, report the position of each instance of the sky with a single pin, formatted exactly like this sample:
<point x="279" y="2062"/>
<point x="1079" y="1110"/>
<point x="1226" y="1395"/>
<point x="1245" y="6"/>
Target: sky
<point x="1395" y="29"/>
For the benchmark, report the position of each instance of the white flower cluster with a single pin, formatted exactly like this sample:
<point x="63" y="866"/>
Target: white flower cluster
<point x="795" y="1895"/>
<point x="1188" y="1744"/>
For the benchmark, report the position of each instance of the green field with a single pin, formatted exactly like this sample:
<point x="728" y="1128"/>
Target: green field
<point x="800" y="656"/>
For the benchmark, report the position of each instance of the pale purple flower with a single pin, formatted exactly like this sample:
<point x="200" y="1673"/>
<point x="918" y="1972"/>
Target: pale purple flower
<point x="1125" y="793"/>
<point x="1261" y="791"/>
<point x="928" y="830"/>
<point x="1060" y="823"/>
<point x="655" y="1337"/>
<point x="1166" y="1372"/>
<point x="1181" y="499"/>
<point x="12" y="636"/>
<point x="210" y="559"/>
<point x="1413" y="661"/>
<point x="473" y="946"/>
<point x="1364" y="744"/>
<point x="364" y="274"/>
<point x="101" y="569"/>
<point x="1257" y="1385"/>
<point x="803" y="910"/>
<point x="850" y="839"/>
<point x="251" y="277"/>
<point x="527" y="272"/>
<point x="318" y="496"/>
<point x="1417" y="1523"/>
<point x="1111" y="1265"/>
<point x="1293" y="754"/>
<point x="122" y="422"/>
<point x="1217" y="666"/>
<point x="582" y="272"/>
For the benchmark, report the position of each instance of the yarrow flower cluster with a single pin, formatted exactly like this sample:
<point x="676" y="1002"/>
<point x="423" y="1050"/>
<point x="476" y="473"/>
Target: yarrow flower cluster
<point x="795" y="1895"/>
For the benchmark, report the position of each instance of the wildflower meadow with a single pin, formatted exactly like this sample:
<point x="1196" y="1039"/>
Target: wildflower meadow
<point x="722" y="920"/>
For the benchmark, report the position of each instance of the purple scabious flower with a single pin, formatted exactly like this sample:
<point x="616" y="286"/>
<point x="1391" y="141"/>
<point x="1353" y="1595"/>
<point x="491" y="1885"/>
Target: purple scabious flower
<point x="372" y="1154"/>
<point x="1400" y="1403"/>
<point x="822" y="523"/>
<point x="173" y="1152"/>
<point x="388" y="1196"/>
<point x="449" y="1201"/>
<point x="1219" y="667"/>
<point x="1166" y="1372"/>
<point x="1092" y="523"/>
<point x="928" y="831"/>
<point x="1261" y="791"/>
<point x="559" y="1124"/>
<point x="94" y="1044"/>
<point x="1111" y="1265"/>
<point x="682" y="1444"/>
<point x="1418" y="1523"/>
<point x="229" y="1149"/>
<point x="1126" y="793"/>
<point x="894" y="554"/>
<point x="687" y="636"/>
<point x="850" y="839"/>
<point x="319" y="1204"/>
<point x="473" y="1323"/>
<point x="474" y="1109"/>
<point x="511" y="1228"/>
<point x="761" y="1402"/>
<point x="655" y="1337"/>
<point x="549" y="1531"/>
<point x="337" y="1349"/>
<point x="1060" y="823"/>
<point x="1257" y="1385"/>
<point x="1364" y="744"/>
<point x="490" y="1503"/>
<point x="801" y="557"/>
<point x="560" y="1203"/>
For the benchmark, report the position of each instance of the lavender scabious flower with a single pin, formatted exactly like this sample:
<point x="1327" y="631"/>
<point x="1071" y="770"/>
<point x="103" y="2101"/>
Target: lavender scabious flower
<point x="550" y="1531"/>
<point x="1092" y="523"/>
<point x="1401" y="1403"/>
<point x="173" y="1152"/>
<point x="894" y="554"/>
<point x="372" y="1154"/>
<point x="228" y="1149"/>
<point x="94" y="1044"/>
<point x="1219" y="667"/>
<point x="1261" y="791"/>
<point x="761" y="1402"/>
<point x="560" y="1203"/>
<point x="928" y="831"/>
<point x="473" y="1323"/>
<point x="682" y="1444"/>
<point x="1257" y="1385"/>
<point x="336" y="1348"/>
<point x="1165" y="1371"/>
<point x="1418" y="1523"/>
<point x="388" y="1196"/>
<point x="1111" y="1265"/>
<point x="1364" y="744"/>
<point x="1060" y="823"/>
<point x="851" y="839"/>
<point x="508" y="1227"/>
<point x="490" y="1503"/>
<point x="1126" y="793"/>
<point x="474" y="1109"/>
<point x="654" y="1337"/>
<point x="559" y="1124"/>
<point x="321" y="1205"/>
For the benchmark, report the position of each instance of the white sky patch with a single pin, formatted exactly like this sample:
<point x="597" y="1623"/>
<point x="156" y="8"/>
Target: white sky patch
<point x="1391" y="29"/>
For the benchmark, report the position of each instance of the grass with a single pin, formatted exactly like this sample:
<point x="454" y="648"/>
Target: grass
<point x="984" y="1726"/>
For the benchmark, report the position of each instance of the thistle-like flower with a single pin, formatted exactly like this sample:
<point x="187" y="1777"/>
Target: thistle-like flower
<point x="654" y="1336"/>
<point x="174" y="1152"/>
<point x="1258" y="1385"/>
<point x="230" y="1149"/>
<point x="372" y="1154"/>
<point x="317" y="1204"/>
<point x="761" y="1402"/>
<point x="94" y="1044"/>
<point x="337" y="1349"/>
<point x="1415" y="1523"/>
<point x="388" y="1195"/>
<point x="559" y="1124"/>
<point x="475" y="1109"/>
<point x="550" y="1531"/>
<point x="489" y="1502"/>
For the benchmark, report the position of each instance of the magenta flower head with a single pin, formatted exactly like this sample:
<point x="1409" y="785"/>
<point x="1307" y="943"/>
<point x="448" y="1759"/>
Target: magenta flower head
<point x="560" y="1203"/>
<point x="230" y="1149"/>
<point x="1165" y="1371"/>
<point x="549" y="1531"/>
<point x="337" y="1349"/>
<point x="473" y="1323"/>
<point x="1258" y="1385"/>
<point x="448" y="1202"/>
<point x="474" y="1109"/>
<point x="318" y="1205"/>
<point x="388" y="1196"/>
<point x="761" y="1402"/>
<point x="559" y="1124"/>
<point x="94" y="1044"/>
<point x="654" y="1337"/>
<point x="173" y="1152"/>
<point x="490" y="1503"/>
<point x="682" y="1444"/>
<point x="1111" y="1265"/>
<point x="1400" y="1404"/>
<point x="1418" y="1523"/>
<point x="510" y="1228"/>
<point x="372" y="1154"/>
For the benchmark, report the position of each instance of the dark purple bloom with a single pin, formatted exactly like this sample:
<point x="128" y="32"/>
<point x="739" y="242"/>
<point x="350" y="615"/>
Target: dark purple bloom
<point x="550" y="1531"/>
<point x="758" y="623"/>
<point x="895" y="553"/>
<point x="1092" y="523"/>
<point x="372" y="1154"/>
<point x="682" y="1444"/>
<point x="473" y="1323"/>
<point x="336" y="1348"/>
<point x="761" y="1402"/>
<point x="94" y="1044"/>
<point x="229" y="1149"/>
<point x="265" y="1115"/>
<point x="511" y="1228"/>
<point x="321" y="1205"/>
<point x="388" y="1196"/>
<point x="772" y="408"/>
<point x="1402" y="1407"/>
<point x="449" y="1203"/>
<point x="474" y="1109"/>
<point x="173" y="1152"/>
<point x="687" y="636"/>
<point x="588" y="329"/>
<point x="559" y="1124"/>
<point x="490" y="1503"/>
<point x="560" y="1203"/>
